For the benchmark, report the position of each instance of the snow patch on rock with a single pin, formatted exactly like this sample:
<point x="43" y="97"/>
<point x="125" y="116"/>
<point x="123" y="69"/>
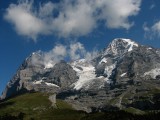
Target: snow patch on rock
<point x="149" y="48"/>
<point x="153" y="73"/>
<point x="123" y="74"/>
<point x="104" y="60"/>
<point x="108" y="71"/>
<point x="48" y="84"/>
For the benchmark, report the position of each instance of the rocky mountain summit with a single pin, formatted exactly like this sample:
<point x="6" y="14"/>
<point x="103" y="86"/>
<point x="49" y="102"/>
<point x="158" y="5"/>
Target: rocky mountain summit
<point x="125" y="74"/>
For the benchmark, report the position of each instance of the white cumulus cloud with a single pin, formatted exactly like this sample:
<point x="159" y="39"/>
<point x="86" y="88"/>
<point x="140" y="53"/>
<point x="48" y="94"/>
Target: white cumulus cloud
<point x="153" y="31"/>
<point x="116" y="13"/>
<point x="156" y="28"/>
<point x="76" y="51"/>
<point x="75" y="19"/>
<point x="70" y="17"/>
<point x="24" y="20"/>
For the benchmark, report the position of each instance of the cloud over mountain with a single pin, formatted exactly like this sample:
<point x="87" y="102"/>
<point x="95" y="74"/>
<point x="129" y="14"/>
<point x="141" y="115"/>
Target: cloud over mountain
<point x="73" y="51"/>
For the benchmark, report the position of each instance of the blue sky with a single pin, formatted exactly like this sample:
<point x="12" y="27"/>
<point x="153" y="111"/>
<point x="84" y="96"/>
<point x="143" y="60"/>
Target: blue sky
<point x="71" y="25"/>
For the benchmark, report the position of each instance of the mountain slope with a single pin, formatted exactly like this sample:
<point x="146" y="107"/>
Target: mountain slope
<point x="125" y="74"/>
<point x="37" y="106"/>
<point x="30" y="107"/>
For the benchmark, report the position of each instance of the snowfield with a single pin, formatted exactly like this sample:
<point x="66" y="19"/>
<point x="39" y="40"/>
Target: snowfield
<point x="85" y="72"/>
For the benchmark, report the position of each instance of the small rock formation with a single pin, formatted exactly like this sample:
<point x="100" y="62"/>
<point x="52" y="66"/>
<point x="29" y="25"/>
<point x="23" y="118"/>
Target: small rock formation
<point x="52" y="98"/>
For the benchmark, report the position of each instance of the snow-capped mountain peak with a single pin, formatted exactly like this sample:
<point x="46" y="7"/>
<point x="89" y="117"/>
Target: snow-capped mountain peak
<point x="123" y="68"/>
<point x="120" y="46"/>
<point x="124" y="40"/>
<point x="130" y="43"/>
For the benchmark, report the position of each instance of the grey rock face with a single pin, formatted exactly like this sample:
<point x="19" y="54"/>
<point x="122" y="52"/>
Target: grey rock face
<point x="125" y="66"/>
<point x="23" y="76"/>
<point x="28" y="75"/>
<point x="62" y="75"/>
<point x="125" y="74"/>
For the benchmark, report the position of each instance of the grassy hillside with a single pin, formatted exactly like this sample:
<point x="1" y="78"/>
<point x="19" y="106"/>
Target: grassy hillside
<point x="36" y="106"/>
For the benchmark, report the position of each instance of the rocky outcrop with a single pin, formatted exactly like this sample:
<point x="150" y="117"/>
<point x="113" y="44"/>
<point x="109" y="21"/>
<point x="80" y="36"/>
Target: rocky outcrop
<point x="62" y="75"/>
<point x="52" y="98"/>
